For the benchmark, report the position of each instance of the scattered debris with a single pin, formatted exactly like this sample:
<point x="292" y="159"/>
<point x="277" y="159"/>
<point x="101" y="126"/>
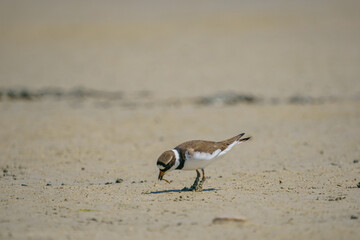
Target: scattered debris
<point x="336" y="198"/>
<point x="80" y="92"/>
<point x="22" y="94"/>
<point x="228" y="219"/>
<point x="227" y="98"/>
<point x="144" y="98"/>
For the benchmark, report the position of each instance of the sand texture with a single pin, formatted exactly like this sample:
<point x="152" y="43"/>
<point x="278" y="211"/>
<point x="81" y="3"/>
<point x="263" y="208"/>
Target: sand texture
<point x="92" y="93"/>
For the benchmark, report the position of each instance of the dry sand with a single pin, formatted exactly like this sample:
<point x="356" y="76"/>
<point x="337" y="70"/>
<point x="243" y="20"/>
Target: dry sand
<point x="293" y="72"/>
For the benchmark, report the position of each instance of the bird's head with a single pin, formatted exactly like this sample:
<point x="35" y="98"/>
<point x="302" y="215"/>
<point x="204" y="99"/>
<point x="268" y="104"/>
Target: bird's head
<point x="166" y="162"/>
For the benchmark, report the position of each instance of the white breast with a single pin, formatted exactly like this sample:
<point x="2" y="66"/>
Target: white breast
<point x="199" y="159"/>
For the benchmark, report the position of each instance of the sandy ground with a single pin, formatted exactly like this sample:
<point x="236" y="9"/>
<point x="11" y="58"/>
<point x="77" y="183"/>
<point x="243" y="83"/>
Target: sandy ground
<point x="61" y="153"/>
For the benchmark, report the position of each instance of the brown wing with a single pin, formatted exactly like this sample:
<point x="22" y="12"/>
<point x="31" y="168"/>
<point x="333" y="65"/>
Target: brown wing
<point x="208" y="146"/>
<point x="200" y="146"/>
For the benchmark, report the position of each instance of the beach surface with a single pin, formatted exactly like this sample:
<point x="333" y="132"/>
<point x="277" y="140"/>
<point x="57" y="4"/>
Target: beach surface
<point x="91" y="94"/>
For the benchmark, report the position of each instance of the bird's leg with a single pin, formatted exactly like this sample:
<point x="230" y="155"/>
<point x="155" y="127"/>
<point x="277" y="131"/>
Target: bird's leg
<point x="199" y="187"/>
<point x="195" y="184"/>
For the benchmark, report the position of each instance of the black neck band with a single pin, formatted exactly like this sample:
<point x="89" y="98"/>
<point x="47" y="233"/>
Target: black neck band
<point x="181" y="158"/>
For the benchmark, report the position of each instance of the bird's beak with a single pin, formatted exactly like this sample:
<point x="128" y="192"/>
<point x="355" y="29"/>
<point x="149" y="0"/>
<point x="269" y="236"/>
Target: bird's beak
<point x="161" y="174"/>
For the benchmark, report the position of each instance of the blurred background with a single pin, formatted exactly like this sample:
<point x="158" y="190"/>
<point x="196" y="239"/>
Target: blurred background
<point x="183" y="48"/>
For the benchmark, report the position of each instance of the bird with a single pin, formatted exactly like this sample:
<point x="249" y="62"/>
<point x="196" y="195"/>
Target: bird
<point x="195" y="155"/>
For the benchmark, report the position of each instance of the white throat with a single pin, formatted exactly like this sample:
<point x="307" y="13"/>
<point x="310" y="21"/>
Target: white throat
<point x="177" y="159"/>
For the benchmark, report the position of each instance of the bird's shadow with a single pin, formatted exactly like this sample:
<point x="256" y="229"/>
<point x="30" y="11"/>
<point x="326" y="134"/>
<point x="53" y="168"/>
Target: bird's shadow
<point x="178" y="191"/>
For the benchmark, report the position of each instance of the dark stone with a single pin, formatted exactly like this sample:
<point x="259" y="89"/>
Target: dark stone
<point x="354" y="217"/>
<point x="119" y="180"/>
<point x="358" y="185"/>
<point x="48" y="184"/>
<point x="355" y="161"/>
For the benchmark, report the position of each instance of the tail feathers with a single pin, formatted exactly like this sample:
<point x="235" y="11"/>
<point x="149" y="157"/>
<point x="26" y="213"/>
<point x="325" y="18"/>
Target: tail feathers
<point x="244" y="139"/>
<point x="237" y="138"/>
<point x="230" y="143"/>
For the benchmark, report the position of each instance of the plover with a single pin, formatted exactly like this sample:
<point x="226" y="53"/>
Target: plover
<point x="195" y="155"/>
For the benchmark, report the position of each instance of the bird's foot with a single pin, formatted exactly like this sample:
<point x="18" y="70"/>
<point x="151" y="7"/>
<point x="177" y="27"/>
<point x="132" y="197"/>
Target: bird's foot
<point x="199" y="187"/>
<point x="193" y="187"/>
<point x="196" y="187"/>
<point x="186" y="189"/>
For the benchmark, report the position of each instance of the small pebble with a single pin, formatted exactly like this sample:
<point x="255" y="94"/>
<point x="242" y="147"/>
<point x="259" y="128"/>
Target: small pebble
<point x="119" y="180"/>
<point x="82" y="169"/>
